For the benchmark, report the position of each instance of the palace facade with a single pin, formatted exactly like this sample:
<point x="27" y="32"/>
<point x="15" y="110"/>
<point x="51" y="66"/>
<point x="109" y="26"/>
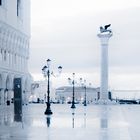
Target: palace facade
<point x="14" y="48"/>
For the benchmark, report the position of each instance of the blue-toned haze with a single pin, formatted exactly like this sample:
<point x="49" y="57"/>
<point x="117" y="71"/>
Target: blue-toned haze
<point x="66" y="32"/>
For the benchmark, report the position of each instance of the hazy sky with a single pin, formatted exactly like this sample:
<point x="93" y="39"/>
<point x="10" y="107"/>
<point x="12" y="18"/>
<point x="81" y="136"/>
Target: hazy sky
<point x="66" y="32"/>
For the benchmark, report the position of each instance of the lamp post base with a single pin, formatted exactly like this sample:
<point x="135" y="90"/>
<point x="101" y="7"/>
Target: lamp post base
<point x="85" y="104"/>
<point x="48" y="110"/>
<point x="73" y="106"/>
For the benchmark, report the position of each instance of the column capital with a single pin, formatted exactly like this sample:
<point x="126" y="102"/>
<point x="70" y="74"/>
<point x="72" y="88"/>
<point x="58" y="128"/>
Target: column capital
<point x="104" y="37"/>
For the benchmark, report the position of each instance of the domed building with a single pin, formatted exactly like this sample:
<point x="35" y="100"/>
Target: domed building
<point x="14" y="48"/>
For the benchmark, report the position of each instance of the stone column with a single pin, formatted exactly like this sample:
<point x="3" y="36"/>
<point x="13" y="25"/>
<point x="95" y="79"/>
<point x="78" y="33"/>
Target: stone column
<point x="2" y="56"/>
<point x="9" y="95"/>
<point x="10" y="59"/>
<point x="22" y="63"/>
<point x="104" y="38"/>
<point x="26" y="97"/>
<point x="2" y="96"/>
<point x="5" y="96"/>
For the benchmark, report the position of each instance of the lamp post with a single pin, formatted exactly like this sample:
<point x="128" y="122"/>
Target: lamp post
<point x="83" y="83"/>
<point x="47" y="73"/>
<point x="73" y="87"/>
<point x="85" y="101"/>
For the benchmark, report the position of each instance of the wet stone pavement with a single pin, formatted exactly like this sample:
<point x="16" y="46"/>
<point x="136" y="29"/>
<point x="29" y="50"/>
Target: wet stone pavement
<point x="94" y="122"/>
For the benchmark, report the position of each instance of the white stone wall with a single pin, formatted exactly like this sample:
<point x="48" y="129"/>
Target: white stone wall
<point x="8" y="14"/>
<point x="14" y="48"/>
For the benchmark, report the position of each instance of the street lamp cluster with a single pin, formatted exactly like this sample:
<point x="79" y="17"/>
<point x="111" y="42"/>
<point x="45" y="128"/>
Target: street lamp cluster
<point x="73" y="83"/>
<point x="83" y="83"/>
<point x="47" y="73"/>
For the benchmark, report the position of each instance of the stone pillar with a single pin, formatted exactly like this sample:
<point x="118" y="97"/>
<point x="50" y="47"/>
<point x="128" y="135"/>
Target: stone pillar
<point x="2" y="96"/>
<point x="2" y="55"/>
<point x="9" y="95"/>
<point x="25" y="99"/>
<point x="10" y="59"/>
<point x="13" y="60"/>
<point x="22" y="63"/>
<point x="104" y="38"/>
<point x="5" y="96"/>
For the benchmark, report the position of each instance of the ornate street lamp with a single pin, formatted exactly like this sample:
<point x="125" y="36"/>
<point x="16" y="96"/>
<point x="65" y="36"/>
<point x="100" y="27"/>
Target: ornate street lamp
<point x="47" y="73"/>
<point x="83" y="84"/>
<point x="85" y="87"/>
<point x="72" y="82"/>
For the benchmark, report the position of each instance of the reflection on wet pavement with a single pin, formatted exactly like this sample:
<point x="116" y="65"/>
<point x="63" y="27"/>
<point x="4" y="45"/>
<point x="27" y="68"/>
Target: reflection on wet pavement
<point x="116" y="122"/>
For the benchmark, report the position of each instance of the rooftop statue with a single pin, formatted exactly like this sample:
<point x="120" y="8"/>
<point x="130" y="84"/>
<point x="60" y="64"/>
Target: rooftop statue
<point x="105" y="29"/>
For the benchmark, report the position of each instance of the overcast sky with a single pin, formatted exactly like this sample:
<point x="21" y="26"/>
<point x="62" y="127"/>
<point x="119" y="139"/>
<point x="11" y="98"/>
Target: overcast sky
<point x="66" y="32"/>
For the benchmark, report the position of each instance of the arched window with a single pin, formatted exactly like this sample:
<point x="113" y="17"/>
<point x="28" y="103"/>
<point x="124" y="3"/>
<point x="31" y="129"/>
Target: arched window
<point x="0" y="54"/>
<point x="15" y="59"/>
<point x="5" y="55"/>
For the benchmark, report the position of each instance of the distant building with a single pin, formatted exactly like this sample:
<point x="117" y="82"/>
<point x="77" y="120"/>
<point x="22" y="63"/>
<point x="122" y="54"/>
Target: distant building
<point x="39" y="91"/>
<point x="64" y="94"/>
<point x="14" y="48"/>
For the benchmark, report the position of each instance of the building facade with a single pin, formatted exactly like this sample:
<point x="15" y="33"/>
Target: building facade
<point x="64" y="94"/>
<point x="14" y="47"/>
<point x="39" y="91"/>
